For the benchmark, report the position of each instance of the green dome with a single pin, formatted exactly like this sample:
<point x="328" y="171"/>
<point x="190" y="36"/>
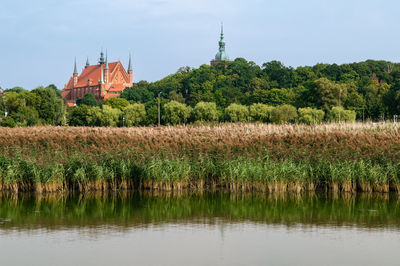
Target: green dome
<point x="222" y="55"/>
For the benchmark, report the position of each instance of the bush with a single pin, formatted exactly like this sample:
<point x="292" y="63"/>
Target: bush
<point x="134" y="114"/>
<point x="345" y="115"/>
<point x="236" y="113"/>
<point x="283" y="114"/>
<point x="205" y="111"/>
<point x="26" y="116"/>
<point x="88" y="100"/>
<point x="84" y="116"/>
<point x="310" y="116"/>
<point x="176" y="113"/>
<point x="117" y="103"/>
<point x="109" y="116"/>
<point x="7" y="122"/>
<point x="261" y="112"/>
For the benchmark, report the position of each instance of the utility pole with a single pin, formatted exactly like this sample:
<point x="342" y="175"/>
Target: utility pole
<point x="340" y="94"/>
<point x="159" y="111"/>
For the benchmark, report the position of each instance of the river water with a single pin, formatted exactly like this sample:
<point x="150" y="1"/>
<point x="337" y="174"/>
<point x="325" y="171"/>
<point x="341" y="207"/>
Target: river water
<point x="199" y="229"/>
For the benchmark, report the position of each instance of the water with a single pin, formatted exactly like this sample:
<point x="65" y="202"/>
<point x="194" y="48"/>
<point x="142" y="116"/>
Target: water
<point x="199" y="229"/>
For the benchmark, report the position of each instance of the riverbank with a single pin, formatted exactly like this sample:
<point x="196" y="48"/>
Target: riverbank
<point x="239" y="157"/>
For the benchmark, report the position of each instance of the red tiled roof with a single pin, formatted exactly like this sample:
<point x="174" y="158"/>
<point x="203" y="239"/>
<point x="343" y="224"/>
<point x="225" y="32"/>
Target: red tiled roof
<point x="117" y="87"/>
<point x="93" y="73"/>
<point x="110" y="95"/>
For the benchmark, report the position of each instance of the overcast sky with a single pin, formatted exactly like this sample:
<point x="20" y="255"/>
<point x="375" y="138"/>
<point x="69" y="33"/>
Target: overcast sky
<point x="39" y="39"/>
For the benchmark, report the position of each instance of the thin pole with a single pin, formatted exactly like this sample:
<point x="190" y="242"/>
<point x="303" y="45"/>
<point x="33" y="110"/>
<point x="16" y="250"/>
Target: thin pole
<point x="159" y="111"/>
<point x="340" y="92"/>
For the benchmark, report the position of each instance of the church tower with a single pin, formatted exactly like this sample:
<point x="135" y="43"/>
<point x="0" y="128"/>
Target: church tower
<point x="130" y="72"/>
<point x="221" y="56"/>
<point x="75" y="74"/>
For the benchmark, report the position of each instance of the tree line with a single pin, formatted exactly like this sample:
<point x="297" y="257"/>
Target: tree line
<point x="229" y="91"/>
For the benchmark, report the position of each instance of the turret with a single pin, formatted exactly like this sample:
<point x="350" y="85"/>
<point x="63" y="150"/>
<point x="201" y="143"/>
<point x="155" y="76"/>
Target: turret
<point x="87" y="62"/>
<point x="101" y="81"/>
<point x="101" y="60"/>
<point x="130" y="72"/>
<point x="221" y="55"/>
<point x="106" y="70"/>
<point x="75" y="74"/>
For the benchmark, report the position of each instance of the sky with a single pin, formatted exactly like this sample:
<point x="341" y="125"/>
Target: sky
<point x="40" y="39"/>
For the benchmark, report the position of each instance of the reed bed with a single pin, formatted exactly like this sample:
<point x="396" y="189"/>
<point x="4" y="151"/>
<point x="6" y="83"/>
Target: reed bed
<point x="238" y="157"/>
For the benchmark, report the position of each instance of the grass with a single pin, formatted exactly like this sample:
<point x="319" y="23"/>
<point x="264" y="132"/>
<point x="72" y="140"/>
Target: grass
<point x="238" y="157"/>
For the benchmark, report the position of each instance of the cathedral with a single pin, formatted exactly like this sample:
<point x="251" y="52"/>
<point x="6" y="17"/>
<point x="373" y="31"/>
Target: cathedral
<point x="104" y="80"/>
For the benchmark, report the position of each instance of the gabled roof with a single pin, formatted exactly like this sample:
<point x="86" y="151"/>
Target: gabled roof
<point x="117" y="88"/>
<point x="94" y="73"/>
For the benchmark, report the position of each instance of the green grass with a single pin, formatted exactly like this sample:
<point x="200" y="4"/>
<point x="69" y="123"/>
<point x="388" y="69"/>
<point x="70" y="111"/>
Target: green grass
<point x="239" y="174"/>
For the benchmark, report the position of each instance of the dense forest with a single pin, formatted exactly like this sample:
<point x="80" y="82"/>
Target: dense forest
<point x="229" y="91"/>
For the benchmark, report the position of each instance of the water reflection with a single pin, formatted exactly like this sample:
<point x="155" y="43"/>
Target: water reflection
<point x="121" y="211"/>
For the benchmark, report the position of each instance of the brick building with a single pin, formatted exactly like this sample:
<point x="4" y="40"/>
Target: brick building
<point x="104" y="80"/>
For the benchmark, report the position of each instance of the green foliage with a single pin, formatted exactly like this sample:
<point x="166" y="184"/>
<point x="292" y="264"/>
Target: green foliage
<point x="134" y="114"/>
<point x="138" y="93"/>
<point x="310" y="116"/>
<point x="283" y="114"/>
<point x="338" y="114"/>
<point x="49" y="106"/>
<point x="261" y="112"/>
<point x="176" y="113"/>
<point x="88" y="100"/>
<point x="84" y="116"/>
<point x="177" y="97"/>
<point x="205" y="111"/>
<point x="7" y="122"/>
<point x="236" y="113"/>
<point x="26" y="116"/>
<point x="109" y="116"/>
<point x="117" y="103"/>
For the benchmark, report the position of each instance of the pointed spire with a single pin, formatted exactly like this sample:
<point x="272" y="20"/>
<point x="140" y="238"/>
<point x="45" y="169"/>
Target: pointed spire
<point x="75" y="69"/>
<point x="222" y="55"/>
<point x="87" y="62"/>
<point x="101" y="76"/>
<point x="106" y="68"/>
<point x="130" y="63"/>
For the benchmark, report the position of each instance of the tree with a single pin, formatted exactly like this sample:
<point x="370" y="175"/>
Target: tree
<point x="310" y="116"/>
<point x="177" y="97"/>
<point x="236" y="113"/>
<point x="7" y="122"/>
<point x="176" y="113"/>
<point x="329" y="93"/>
<point x="279" y="75"/>
<point x="283" y="114"/>
<point x="50" y="107"/>
<point x="26" y="116"/>
<point x="134" y="114"/>
<point x="117" y="103"/>
<point x="139" y="92"/>
<point x="84" y="116"/>
<point x="108" y="117"/>
<point x="12" y="102"/>
<point x="205" y="111"/>
<point x="338" y="114"/>
<point x="261" y="112"/>
<point x="88" y="100"/>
